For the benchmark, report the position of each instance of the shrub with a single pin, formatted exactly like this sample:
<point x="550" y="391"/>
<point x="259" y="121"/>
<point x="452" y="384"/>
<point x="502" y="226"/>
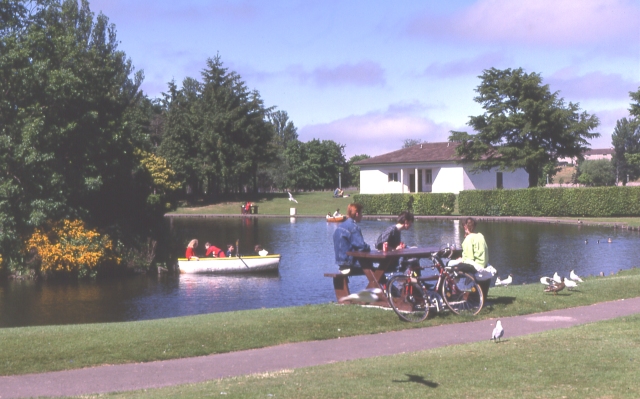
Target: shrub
<point x="69" y="247"/>
<point x="393" y="204"/>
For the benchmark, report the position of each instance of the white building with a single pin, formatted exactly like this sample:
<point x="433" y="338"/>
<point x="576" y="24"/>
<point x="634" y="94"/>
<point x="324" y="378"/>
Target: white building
<point x="590" y="155"/>
<point x="430" y="168"/>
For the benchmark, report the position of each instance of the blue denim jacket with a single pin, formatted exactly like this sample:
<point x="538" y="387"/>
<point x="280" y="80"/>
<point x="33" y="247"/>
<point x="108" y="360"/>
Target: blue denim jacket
<point x="348" y="237"/>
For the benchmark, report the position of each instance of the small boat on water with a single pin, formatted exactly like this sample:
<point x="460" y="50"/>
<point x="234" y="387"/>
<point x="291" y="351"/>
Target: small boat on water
<point x="244" y="264"/>
<point x="340" y="218"/>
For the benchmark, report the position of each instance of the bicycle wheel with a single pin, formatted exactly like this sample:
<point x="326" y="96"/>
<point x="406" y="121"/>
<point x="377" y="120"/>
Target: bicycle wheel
<point x="462" y="294"/>
<point x="407" y="299"/>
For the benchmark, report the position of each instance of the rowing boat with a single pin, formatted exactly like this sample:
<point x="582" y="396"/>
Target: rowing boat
<point x="245" y="264"/>
<point x="340" y="218"/>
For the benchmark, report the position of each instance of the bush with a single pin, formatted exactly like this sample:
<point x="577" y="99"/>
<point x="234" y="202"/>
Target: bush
<point x="393" y="204"/>
<point x="69" y="247"/>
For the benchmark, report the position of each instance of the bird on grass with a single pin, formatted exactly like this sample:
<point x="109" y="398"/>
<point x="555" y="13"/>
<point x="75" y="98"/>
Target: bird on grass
<point x="570" y="284"/>
<point x="546" y="280"/>
<point x="557" y="278"/>
<point x="498" y="332"/>
<point x="366" y="296"/>
<point x="573" y="276"/>
<point x="504" y="282"/>
<point x="555" y="287"/>
<point x="291" y="198"/>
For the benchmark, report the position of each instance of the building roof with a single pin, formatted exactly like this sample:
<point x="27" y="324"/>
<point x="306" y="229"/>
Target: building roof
<point x="425" y="152"/>
<point x="599" y="151"/>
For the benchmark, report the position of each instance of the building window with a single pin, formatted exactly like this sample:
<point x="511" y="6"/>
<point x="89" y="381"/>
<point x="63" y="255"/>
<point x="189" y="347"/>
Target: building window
<point x="499" y="180"/>
<point x="428" y="178"/>
<point x="393" y="176"/>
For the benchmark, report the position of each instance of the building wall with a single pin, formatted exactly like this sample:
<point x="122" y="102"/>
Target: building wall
<point x="446" y="178"/>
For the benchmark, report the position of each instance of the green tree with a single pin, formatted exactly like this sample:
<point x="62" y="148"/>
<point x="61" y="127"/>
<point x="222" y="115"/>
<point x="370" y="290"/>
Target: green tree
<point x="596" y="173"/>
<point x="635" y="107"/>
<point x="525" y="125"/>
<point x="353" y="171"/>
<point x="66" y="145"/>
<point x="410" y="143"/>
<point x="274" y="175"/>
<point x="626" y="141"/>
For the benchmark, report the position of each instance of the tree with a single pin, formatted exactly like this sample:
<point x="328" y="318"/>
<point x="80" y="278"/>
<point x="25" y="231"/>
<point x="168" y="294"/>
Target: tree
<point x="626" y="141"/>
<point x="596" y="173"/>
<point x="635" y="107"/>
<point x="353" y="171"/>
<point x="66" y="145"/>
<point x="524" y="125"/>
<point x="410" y="143"/>
<point x="274" y="175"/>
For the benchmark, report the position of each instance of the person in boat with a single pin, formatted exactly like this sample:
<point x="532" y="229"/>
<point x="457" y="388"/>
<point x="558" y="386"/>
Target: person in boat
<point x="230" y="250"/>
<point x="191" y="250"/>
<point x="337" y="213"/>
<point x="260" y="251"/>
<point x="213" y="251"/>
<point x="348" y="237"/>
<point x="393" y="234"/>
<point x="475" y="256"/>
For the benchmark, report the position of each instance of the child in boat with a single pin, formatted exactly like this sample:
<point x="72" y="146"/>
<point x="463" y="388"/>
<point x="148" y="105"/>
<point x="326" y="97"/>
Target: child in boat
<point x="213" y="251"/>
<point x="191" y="250"/>
<point x="260" y="251"/>
<point x="230" y="250"/>
<point x="336" y="213"/>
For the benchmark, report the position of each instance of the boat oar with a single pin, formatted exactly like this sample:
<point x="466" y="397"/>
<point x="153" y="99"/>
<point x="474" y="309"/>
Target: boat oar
<point x="238" y="254"/>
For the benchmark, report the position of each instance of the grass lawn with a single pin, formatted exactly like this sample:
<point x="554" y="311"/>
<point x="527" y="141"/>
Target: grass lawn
<point x="50" y="348"/>
<point x="598" y="360"/>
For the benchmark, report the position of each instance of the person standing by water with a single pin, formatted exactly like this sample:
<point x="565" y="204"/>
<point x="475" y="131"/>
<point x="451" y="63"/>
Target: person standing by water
<point x="348" y="237"/>
<point x="191" y="250"/>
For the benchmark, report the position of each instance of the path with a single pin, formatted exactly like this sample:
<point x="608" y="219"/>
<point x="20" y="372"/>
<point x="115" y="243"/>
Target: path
<point x="290" y="356"/>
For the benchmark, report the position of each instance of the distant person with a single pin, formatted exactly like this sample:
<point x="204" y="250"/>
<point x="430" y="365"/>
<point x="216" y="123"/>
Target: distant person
<point x="340" y="193"/>
<point x="393" y="235"/>
<point x="230" y="250"/>
<point x="337" y="213"/>
<point x="213" y="251"/>
<point x="348" y="237"/>
<point x="336" y="192"/>
<point x="191" y="250"/>
<point x="475" y="255"/>
<point x="329" y="215"/>
<point x="260" y="251"/>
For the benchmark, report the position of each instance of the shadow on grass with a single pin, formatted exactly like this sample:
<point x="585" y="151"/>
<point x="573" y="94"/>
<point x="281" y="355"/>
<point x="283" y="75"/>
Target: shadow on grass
<point x="500" y="300"/>
<point x="418" y="380"/>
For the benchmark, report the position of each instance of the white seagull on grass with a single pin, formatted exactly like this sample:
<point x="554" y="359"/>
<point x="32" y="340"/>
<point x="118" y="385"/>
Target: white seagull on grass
<point x="366" y="296"/>
<point x="498" y="332"/>
<point x="504" y="282"/>
<point x="570" y="284"/>
<point x="546" y="280"/>
<point x="573" y="276"/>
<point x="291" y="198"/>
<point x="557" y="278"/>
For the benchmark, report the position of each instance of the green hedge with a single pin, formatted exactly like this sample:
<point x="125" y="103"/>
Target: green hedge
<point x="593" y="202"/>
<point x="393" y="204"/>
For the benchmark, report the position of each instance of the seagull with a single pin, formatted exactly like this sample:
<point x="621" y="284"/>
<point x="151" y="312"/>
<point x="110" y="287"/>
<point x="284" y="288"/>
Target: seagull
<point x="291" y="198"/>
<point x="556" y="278"/>
<point x="570" y="284"/>
<point x="367" y="296"/>
<point x="504" y="282"/>
<point x="609" y="240"/>
<point x="555" y="288"/>
<point x="573" y="276"/>
<point x="498" y="332"/>
<point x="546" y="280"/>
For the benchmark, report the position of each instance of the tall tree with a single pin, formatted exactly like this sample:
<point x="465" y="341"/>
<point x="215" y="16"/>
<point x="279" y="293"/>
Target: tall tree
<point x="525" y="125"/>
<point x="635" y="107"/>
<point x="65" y="146"/>
<point x="353" y="171"/>
<point x="410" y="142"/>
<point x="626" y="141"/>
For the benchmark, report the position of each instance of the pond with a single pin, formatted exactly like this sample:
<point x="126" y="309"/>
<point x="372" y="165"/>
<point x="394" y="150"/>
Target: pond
<point x="526" y="250"/>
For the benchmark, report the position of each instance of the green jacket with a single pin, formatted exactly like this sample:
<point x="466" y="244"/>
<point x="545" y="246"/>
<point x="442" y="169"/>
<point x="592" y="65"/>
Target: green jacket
<point x="474" y="249"/>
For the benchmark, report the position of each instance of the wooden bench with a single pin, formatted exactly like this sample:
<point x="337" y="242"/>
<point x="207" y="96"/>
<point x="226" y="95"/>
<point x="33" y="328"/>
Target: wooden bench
<point x="340" y="284"/>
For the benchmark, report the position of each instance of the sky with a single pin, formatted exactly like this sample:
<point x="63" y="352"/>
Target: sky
<point x="369" y="74"/>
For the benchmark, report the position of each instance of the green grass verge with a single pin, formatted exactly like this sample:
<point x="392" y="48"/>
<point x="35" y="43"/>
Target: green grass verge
<point x="50" y="348"/>
<point x="309" y="203"/>
<point x="597" y="360"/>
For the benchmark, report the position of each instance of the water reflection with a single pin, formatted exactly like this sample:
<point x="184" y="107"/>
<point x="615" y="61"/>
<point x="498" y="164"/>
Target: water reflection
<point x="527" y="251"/>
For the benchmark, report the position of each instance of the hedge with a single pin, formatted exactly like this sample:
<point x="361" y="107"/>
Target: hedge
<point x="419" y="204"/>
<point x="585" y="202"/>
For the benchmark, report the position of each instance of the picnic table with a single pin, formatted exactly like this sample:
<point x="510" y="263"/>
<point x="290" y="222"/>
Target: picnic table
<point x="385" y="260"/>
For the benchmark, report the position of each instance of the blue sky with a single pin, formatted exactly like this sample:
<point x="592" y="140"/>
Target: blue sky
<point x="369" y="74"/>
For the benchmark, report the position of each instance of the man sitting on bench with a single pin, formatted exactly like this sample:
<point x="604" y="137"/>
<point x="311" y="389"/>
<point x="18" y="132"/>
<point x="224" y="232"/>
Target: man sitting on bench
<point x="348" y="237"/>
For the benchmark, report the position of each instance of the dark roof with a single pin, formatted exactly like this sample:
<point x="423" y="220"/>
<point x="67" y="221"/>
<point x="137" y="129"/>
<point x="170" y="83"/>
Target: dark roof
<point x="599" y="151"/>
<point x="425" y="152"/>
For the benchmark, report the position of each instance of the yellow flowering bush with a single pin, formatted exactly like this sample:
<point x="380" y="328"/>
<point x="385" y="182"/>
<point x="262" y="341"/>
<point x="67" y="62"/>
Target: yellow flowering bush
<point x="68" y="246"/>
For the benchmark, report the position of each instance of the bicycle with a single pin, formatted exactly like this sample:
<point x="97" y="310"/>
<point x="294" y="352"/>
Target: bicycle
<point x="411" y="298"/>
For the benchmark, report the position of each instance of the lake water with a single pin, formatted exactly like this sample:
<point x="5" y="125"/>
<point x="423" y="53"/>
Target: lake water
<point x="526" y="250"/>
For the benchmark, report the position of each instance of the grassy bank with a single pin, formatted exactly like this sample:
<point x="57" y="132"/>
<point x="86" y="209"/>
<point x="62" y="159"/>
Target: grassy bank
<point x="49" y="348"/>
<point x="568" y="363"/>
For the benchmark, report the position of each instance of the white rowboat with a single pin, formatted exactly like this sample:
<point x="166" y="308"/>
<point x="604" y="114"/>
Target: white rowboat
<point x="245" y="264"/>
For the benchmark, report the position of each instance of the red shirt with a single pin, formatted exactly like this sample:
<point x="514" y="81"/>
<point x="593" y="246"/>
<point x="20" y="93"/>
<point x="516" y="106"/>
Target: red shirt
<point x="190" y="253"/>
<point x="215" y="251"/>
